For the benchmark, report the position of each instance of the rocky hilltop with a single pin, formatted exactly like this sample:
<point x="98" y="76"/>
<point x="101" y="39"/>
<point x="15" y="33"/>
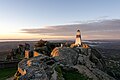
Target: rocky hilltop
<point x="87" y="62"/>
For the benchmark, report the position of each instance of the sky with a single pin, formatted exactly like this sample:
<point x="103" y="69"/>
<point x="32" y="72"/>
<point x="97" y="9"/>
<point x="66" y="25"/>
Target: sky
<point x="59" y="19"/>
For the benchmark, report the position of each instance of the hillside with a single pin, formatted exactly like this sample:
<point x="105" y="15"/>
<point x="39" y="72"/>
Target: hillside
<point x="87" y="63"/>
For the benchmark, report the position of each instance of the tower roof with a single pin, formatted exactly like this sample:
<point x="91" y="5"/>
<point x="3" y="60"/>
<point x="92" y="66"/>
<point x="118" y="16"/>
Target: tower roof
<point x="78" y="30"/>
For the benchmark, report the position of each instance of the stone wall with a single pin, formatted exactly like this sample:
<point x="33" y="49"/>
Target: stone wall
<point x="7" y="64"/>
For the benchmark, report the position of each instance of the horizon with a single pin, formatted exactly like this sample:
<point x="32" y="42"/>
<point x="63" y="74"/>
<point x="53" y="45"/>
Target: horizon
<point x="17" y="40"/>
<point x="59" y="20"/>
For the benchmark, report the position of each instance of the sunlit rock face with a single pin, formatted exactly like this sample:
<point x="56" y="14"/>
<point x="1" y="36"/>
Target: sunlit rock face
<point x="55" y="52"/>
<point x="36" y="68"/>
<point x="26" y="53"/>
<point x="65" y="55"/>
<point x="36" y="54"/>
<point x="78" y="38"/>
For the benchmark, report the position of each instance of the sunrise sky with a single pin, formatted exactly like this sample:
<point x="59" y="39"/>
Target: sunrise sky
<point x="59" y="19"/>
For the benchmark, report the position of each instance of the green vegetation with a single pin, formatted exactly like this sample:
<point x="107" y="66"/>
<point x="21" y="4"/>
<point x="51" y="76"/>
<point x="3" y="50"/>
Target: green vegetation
<point x="6" y="73"/>
<point x="19" y="57"/>
<point x="58" y="69"/>
<point x="73" y="75"/>
<point x="70" y="74"/>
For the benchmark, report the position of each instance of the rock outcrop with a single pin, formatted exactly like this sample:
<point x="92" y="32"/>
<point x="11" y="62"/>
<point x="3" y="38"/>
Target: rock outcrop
<point x="87" y="61"/>
<point x="37" y="68"/>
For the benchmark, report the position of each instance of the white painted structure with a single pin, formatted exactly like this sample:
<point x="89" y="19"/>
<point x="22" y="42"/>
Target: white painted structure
<point x="78" y="38"/>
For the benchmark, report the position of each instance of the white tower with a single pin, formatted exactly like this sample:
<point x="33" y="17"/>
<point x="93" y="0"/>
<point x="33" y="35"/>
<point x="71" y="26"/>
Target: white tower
<point x="78" y="38"/>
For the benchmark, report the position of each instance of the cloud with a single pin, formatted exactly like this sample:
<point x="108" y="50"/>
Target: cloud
<point x="105" y="29"/>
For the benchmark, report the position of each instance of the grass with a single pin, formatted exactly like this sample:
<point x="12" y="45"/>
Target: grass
<point x="74" y="75"/>
<point x="58" y="69"/>
<point x="70" y="74"/>
<point x="7" y="72"/>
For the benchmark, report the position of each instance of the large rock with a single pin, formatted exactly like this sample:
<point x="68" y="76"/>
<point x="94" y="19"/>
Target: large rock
<point x="88" y="61"/>
<point x="37" y="68"/>
<point x="66" y="56"/>
<point x="94" y="73"/>
<point x="79" y="55"/>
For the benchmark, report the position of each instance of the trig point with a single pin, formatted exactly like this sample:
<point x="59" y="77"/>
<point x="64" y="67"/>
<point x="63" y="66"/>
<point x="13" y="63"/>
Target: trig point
<point x="78" y="38"/>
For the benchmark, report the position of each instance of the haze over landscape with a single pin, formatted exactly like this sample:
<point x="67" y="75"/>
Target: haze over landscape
<point x="33" y="20"/>
<point x="59" y="40"/>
